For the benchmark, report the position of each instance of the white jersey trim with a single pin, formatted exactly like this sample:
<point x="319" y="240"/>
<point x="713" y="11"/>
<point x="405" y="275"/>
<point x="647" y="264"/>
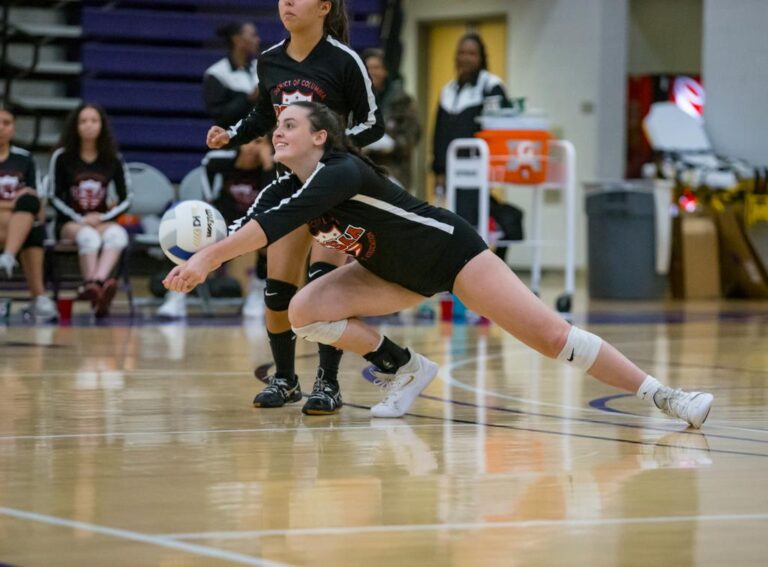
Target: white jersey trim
<point x="413" y="217"/>
<point x="58" y="204"/>
<point x="238" y="80"/>
<point x="371" y="120"/>
<point x="239" y="222"/>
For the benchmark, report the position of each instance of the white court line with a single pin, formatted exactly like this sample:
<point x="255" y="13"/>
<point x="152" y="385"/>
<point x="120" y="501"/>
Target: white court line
<point x="655" y="420"/>
<point x="161" y="541"/>
<point x="216" y="431"/>
<point x="469" y="526"/>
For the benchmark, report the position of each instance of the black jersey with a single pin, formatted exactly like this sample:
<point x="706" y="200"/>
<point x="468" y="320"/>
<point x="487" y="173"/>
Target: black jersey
<point x="17" y="172"/>
<point x="79" y="187"/>
<point x="230" y="188"/>
<point x="458" y="109"/>
<point x="332" y="74"/>
<point x="227" y="88"/>
<point x="349" y="207"/>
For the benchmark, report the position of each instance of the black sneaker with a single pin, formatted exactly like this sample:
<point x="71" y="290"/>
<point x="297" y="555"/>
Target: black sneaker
<point x="325" y="398"/>
<point x="279" y="391"/>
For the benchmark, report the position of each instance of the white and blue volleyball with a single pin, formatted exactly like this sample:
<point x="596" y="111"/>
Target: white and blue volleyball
<point x="188" y="227"/>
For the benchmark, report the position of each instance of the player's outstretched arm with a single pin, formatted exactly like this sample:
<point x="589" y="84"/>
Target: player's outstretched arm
<point x="185" y="278"/>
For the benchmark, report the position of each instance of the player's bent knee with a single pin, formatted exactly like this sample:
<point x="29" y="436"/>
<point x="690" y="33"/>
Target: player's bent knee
<point x="581" y="348"/>
<point x="325" y="332"/>
<point x="27" y="203"/>
<point x="88" y="240"/>
<point x="278" y="294"/>
<point x="115" y="237"/>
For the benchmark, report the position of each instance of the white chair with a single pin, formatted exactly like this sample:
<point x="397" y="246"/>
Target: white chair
<point x="191" y="187"/>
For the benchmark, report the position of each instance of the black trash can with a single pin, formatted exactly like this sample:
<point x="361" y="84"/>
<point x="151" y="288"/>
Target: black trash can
<point x="622" y="241"/>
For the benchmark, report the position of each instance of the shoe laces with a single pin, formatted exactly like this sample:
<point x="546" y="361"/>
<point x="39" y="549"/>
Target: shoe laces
<point x="322" y="386"/>
<point x="276" y="385"/>
<point x="673" y="401"/>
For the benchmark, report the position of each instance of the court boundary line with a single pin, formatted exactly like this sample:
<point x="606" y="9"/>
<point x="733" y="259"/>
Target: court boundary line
<point x="158" y="540"/>
<point x="568" y="523"/>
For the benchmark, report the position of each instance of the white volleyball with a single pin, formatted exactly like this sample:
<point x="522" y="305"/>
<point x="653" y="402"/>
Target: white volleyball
<point x="188" y="227"/>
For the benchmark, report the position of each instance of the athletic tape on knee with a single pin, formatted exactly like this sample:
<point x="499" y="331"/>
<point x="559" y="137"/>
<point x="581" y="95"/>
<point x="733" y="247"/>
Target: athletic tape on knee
<point x="324" y="332"/>
<point x="581" y="348"/>
<point x="278" y="295"/>
<point x="88" y="240"/>
<point x="27" y="203"/>
<point x="115" y="237"/>
<point x="35" y="238"/>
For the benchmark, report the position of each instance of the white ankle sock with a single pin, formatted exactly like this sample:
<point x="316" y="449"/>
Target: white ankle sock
<point x="648" y="389"/>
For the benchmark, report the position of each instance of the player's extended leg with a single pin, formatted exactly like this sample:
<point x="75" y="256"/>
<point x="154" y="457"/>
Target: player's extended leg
<point x="487" y="286"/>
<point x="326" y="394"/>
<point x="325" y="311"/>
<point x="286" y="263"/>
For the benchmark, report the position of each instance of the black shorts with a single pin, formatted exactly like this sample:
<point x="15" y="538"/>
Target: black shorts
<point x="456" y="251"/>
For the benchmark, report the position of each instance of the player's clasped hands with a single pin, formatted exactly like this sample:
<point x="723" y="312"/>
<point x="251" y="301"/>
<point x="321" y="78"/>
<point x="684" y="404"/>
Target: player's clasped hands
<point x="185" y="278"/>
<point x="217" y="137"/>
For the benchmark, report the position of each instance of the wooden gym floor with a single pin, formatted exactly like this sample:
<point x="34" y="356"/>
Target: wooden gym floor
<point x="126" y="445"/>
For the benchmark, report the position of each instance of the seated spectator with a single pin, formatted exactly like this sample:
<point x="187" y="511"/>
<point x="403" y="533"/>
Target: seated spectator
<point x="22" y="228"/>
<point x="231" y="84"/>
<point x="401" y="121"/>
<point x="232" y="179"/>
<point x="81" y="171"/>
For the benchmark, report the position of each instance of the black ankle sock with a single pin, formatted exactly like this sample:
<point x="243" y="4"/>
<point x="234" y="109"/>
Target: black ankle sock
<point x="388" y="357"/>
<point x="329" y="361"/>
<point x="283" y="346"/>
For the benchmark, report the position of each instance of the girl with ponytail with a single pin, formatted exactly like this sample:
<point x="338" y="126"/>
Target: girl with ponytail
<point x="313" y="64"/>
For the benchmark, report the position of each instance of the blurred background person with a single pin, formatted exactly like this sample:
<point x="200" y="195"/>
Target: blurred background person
<point x="22" y="224"/>
<point x="401" y="121"/>
<point x="81" y="170"/>
<point x="231" y="85"/>
<point x="462" y="101"/>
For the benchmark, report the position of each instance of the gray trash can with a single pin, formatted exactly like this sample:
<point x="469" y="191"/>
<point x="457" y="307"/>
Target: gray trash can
<point x="622" y="241"/>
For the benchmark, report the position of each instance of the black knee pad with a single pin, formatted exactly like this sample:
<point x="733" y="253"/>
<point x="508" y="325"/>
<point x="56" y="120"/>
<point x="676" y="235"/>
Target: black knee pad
<point x="277" y="294"/>
<point x="318" y="270"/>
<point x="27" y="203"/>
<point x="35" y="238"/>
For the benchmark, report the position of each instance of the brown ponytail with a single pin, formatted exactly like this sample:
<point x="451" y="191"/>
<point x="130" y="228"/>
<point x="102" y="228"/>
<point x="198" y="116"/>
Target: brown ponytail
<point x="336" y="22"/>
<point x="323" y="118"/>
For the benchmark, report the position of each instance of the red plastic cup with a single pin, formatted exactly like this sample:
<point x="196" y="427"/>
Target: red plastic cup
<point x="446" y="308"/>
<point x="65" y="308"/>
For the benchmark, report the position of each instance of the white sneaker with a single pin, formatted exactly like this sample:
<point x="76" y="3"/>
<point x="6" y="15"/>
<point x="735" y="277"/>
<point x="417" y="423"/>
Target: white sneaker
<point x="174" y="306"/>
<point x="43" y="307"/>
<point x="254" y="302"/>
<point x="7" y="264"/>
<point x="692" y="407"/>
<point x="404" y="387"/>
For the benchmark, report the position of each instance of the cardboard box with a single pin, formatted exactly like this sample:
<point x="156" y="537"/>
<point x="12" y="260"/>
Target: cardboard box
<point x="695" y="272"/>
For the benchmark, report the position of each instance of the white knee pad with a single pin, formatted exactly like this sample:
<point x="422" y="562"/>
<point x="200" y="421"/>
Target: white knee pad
<point x="88" y="240"/>
<point x="325" y="332"/>
<point x="581" y="348"/>
<point x="115" y="237"/>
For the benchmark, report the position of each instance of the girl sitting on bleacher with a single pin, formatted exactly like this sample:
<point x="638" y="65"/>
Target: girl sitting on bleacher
<point x="82" y="172"/>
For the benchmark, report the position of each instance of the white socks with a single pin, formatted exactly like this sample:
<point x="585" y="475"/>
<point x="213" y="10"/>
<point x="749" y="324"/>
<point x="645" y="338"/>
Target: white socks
<point x="648" y="389"/>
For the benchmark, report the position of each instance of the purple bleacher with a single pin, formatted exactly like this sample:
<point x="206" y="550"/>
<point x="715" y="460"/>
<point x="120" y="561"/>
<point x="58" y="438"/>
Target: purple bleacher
<point x="174" y="165"/>
<point x="134" y="60"/>
<point x="149" y="25"/>
<point x="144" y="95"/>
<point x="162" y="132"/>
<point x="353" y="6"/>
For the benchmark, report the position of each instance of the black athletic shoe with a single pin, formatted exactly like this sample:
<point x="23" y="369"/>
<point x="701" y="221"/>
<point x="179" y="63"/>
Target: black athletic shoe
<point x="278" y="392"/>
<point x="325" y="398"/>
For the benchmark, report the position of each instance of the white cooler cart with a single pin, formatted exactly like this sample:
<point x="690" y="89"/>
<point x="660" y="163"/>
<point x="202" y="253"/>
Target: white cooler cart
<point x="468" y="167"/>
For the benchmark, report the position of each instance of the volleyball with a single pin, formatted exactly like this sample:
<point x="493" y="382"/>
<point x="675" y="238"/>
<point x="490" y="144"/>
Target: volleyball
<point x="188" y="227"/>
